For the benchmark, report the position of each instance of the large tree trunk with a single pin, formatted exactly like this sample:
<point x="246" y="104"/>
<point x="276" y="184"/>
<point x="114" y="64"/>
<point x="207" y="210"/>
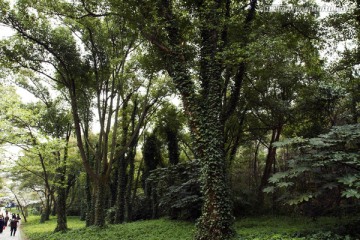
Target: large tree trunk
<point x="216" y="219"/>
<point x="62" y="192"/>
<point x="61" y="210"/>
<point x="61" y="202"/>
<point x="100" y="204"/>
<point x="45" y="214"/>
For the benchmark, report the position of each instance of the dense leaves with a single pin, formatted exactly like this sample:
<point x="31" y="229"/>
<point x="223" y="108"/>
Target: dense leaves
<point x="324" y="166"/>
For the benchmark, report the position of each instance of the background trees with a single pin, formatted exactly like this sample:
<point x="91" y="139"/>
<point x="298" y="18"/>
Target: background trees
<point x="246" y="80"/>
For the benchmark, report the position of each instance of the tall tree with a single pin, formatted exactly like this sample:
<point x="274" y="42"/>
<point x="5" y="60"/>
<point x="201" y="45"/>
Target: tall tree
<point x="98" y="76"/>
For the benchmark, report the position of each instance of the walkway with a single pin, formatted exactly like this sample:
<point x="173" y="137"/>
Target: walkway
<point x="5" y="235"/>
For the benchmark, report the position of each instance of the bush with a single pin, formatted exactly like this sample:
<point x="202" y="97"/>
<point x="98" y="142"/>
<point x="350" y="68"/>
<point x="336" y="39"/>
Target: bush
<point x="175" y="191"/>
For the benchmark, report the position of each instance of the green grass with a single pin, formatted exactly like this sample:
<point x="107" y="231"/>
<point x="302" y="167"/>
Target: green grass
<point x="256" y="228"/>
<point x="141" y="230"/>
<point x="284" y="228"/>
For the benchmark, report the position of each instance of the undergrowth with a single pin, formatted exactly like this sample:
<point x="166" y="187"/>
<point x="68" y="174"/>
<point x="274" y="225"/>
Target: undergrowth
<point x="255" y="228"/>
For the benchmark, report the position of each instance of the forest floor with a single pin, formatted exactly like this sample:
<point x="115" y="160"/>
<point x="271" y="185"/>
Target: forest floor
<point x="254" y="228"/>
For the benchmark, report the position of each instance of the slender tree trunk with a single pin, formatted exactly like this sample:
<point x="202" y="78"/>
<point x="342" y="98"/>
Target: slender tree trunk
<point x="121" y="190"/>
<point x="54" y="205"/>
<point x="270" y="159"/>
<point x="130" y="181"/>
<point x="173" y="146"/>
<point x="256" y="163"/>
<point x="137" y="181"/>
<point x="122" y="166"/>
<point x="90" y="213"/>
<point x="22" y="209"/>
<point x="82" y="201"/>
<point x="153" y="201"/>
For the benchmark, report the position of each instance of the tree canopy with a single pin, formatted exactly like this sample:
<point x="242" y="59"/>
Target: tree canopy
<point x="151" y="108"/>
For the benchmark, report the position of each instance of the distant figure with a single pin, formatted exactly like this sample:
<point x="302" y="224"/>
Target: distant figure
<point x="18" y="217"/>
<point x="6" y="219"/>
<point x="2" y="223"/>
<point x="13" y="225"/>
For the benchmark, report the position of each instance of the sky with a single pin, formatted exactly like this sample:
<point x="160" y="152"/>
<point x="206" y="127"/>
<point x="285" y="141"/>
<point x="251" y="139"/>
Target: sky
<point x="5" y="31"/>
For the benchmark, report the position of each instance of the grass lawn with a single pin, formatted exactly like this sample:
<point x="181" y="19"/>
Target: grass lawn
<point x="256" y="228"/>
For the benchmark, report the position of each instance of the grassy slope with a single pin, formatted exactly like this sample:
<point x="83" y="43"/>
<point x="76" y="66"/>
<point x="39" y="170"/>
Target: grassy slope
<point x="259" y="228"/>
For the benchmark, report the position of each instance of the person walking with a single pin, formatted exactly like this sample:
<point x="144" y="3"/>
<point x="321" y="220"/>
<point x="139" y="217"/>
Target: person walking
<point x="2" y="223"/>
<point x="13" y="225"/>
<point x="6" y="219"/>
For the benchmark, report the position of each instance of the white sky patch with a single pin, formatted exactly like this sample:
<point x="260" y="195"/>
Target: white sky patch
<point x="5" y="32"/>
<point x="26" y="97"/>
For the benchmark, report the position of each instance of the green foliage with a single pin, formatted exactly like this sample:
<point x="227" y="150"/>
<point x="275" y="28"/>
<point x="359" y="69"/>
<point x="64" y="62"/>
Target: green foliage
<point x="170" y="122"/>
<point x="141" y="230"/>
<point x="329" y="163"/>
<point x="178" y="190"/>
<point x="152" y="155"/>
<point x="260" y="228"/>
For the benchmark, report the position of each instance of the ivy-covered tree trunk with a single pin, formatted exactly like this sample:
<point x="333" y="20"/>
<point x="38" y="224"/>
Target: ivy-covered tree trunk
<point x="62" y="190"/>
<point x="45" y="214"/>
<point x="204" y="109"/>
<point x="61" y="201"/>
<point x="61" y="210"/>
<point x="122" y="166"/>
<point x="90" y="213"/>
<point x="121" y="190"/>
<point x="216" y="219"/>
<point x="100" y="204"/>
<point x="131" y="163"/>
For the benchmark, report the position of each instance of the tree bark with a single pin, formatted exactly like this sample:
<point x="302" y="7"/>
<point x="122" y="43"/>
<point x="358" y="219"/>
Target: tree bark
<point x="100" y="204"/>
<point x="90" y="198"/>
<point x="121" y="190"/>
<point x="61" y="210"/>
<point x="270" y="160"/>
<point x="62" y="190"/>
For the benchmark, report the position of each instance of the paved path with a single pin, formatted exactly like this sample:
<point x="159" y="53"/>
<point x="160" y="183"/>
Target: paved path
<point x="5" y="235"/>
